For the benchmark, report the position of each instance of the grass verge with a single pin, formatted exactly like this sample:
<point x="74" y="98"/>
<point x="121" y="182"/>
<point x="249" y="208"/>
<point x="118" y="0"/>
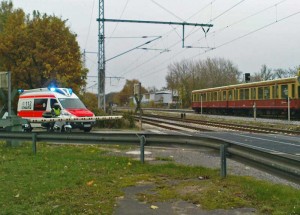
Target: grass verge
<point x="68" y="179"/>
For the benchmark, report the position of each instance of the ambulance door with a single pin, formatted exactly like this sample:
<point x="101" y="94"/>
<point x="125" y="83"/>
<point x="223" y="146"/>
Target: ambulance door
<point x="52" y="102"/>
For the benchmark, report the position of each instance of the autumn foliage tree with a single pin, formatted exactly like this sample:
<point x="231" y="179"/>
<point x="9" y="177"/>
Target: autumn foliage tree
<point x="127" y="92"/>
<point x="39" y="49"/>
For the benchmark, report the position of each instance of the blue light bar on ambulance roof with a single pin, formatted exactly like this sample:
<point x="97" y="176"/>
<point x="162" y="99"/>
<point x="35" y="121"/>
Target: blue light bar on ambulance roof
<point x="63" y="91"/>
<point x="20" y="91"/>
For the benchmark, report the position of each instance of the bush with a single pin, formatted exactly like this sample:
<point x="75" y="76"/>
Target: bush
<point x="126" y="122"/>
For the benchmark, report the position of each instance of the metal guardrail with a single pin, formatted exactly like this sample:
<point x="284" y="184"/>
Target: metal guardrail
<point x="287" y="167"/>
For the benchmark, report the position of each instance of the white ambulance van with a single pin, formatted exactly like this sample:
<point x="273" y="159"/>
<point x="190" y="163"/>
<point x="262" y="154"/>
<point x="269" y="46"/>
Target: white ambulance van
<point x="33" y="103"/>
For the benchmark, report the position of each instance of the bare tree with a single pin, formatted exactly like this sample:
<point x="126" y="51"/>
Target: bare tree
<point x="186" y="76"/>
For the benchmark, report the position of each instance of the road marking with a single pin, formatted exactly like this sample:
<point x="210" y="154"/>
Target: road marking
<point x="247" y="145"/>
<point x="278" y="153"/>
<point x="275" y="141"/>
<point x="156" y="131"/>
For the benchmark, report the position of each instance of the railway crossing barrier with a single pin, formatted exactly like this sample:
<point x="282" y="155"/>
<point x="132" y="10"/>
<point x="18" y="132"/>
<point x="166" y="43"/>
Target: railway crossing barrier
<point x="284" y="166"/>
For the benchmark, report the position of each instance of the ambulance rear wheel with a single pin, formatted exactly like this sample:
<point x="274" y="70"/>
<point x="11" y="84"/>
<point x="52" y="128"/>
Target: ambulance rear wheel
<point x="87" y="129"/>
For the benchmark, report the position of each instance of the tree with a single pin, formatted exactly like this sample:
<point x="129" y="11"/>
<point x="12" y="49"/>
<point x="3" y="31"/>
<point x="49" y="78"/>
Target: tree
<point x="264" y="74"/>
<point x="40" y="50"/>
<point x="127" y="92"/>
<point x="6" y="8"/>
<point x="186" y="76"/>
<point x="284" y="73"/>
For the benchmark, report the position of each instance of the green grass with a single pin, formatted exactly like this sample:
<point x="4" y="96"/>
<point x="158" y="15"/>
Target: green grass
<point x="63" y="179"/>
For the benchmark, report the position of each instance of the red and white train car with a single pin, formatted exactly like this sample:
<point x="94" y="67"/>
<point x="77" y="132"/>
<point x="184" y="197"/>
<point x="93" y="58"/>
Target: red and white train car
<point x="268" y="97"/>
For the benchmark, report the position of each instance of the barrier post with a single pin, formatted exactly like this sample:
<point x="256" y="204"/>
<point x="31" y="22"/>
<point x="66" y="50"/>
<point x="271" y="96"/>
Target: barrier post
<point x="34" y="143"/>
<point x="223" y="150"/>
<point x="142" y="148"/>
<point x="254" y="111"/>
<point x="289" y="109"/>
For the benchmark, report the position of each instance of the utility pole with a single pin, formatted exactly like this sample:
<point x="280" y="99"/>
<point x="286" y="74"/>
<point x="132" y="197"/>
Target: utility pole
<point x="101" y="57"/>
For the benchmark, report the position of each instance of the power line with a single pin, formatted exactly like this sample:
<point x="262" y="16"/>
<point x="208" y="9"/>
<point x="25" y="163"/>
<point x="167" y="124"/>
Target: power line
<point x="116" y="26"/>
<point x="166" y="35"/>
<point x="268" y="25"/>
<point x="244" y="19"/>
<point x="88" y="35"/>
<point x="173" y="14"/>
<point x="204" y="37"/>
<point x="231" y="41"/>
<point x="218" y="16"/>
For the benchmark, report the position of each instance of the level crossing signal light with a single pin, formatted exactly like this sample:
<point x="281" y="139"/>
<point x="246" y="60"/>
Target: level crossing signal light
<point x="247" y="77"/>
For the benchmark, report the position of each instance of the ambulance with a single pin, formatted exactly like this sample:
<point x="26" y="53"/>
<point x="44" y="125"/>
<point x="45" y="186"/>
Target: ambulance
<point x="34" y="103"/>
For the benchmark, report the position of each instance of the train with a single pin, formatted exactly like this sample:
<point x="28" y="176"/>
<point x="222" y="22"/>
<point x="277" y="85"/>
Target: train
<point x="278" y="97"/>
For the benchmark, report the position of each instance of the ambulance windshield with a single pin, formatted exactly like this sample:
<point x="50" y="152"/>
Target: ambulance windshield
<point x="72" y="103"/>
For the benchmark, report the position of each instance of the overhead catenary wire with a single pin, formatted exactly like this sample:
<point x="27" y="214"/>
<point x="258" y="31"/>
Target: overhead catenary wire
<point x="89" y="29"/>
<point x="245" y="18"/>
<point x="117" y="24"/>
<point x="231" y="41"/>
<point x="128" y="70"/>
<point x="170" y="12"/>
<point x="176" y="43"/>
<point x="168" y="60"/>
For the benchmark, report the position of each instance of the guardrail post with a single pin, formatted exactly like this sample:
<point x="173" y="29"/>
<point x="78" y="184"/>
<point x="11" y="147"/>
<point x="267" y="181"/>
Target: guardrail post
<point x="34" y="143"/>
<point x="223" y="150"/>
<point x="142" y="142"/>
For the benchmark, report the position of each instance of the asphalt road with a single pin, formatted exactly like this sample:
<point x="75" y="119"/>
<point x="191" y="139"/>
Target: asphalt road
<point x="275" y="144"/>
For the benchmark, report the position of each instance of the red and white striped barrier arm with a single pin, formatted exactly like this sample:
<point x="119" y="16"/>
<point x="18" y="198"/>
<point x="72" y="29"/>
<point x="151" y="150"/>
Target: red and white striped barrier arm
<point x="74" y="119"/>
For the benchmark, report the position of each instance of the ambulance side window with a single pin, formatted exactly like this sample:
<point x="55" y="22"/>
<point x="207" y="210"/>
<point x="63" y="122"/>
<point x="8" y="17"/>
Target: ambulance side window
<point x="52" y="102"/>
<point x="40" y="104"/>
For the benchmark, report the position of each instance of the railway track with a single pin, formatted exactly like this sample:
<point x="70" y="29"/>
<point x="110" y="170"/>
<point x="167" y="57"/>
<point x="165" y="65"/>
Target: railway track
<point x="175" y="123"/>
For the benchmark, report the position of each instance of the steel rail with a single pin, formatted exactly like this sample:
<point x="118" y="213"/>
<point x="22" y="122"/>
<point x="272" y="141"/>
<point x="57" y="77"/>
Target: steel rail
<point x="284" y="166"/>
<point x="228" y="126"/>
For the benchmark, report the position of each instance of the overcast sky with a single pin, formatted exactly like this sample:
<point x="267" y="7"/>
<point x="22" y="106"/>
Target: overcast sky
<point x="250" y="33"/>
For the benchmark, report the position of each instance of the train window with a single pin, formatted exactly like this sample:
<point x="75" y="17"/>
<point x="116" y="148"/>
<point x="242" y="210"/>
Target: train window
<point x="284" y="91"/>
<point x="266" y="92"/>
<point x="230" y="95"/>
<point x="215" y="96"/>
<point x="208" y="97"/>
<point x="203" y="97"/>
<point x="224" y="96"/>
<point x="246" y="94"/>
<point x="253" y="93"/>
<point x="275" y="91"/>
<point x="293" y="90"/>
<point x="260" y="93"/>
<point x="242" y="94"/>
<point x="236" y="94"/>
<point x="220" y="96"/>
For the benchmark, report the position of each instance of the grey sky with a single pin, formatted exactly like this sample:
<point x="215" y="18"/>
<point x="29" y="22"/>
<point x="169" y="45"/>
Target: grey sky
<point x="235" y="35"/>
